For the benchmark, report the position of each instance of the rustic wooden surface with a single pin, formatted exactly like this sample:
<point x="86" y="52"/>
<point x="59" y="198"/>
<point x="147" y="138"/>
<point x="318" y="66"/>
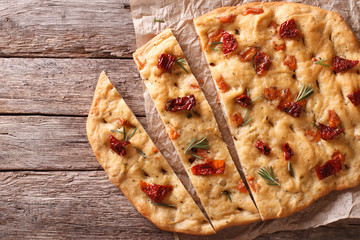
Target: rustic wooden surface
<point x="51" y="184"/>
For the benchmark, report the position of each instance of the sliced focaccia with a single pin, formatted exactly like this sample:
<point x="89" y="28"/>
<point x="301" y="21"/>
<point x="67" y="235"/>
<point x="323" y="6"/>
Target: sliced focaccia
<point x="300" y="139"/>
<point x="134" y="164"/>
<point x="191" y="126"/>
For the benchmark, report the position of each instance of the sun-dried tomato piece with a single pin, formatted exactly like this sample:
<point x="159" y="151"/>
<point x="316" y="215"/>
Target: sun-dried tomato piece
<point x="285" y="96"/>
<point x="334" y="120"/>
<point x="215" y="36"/>
<point x="209" y="167"/>
<point x="354" y="97"/>
<point x="291" y="108"/>
<point x="273" y="24"/>
<point x="330" y="167"/>
<point x="181" y="103"/>
<point x="124" y="122"/>
<point x="229" y="43"/>
<point x="244" y="100"/>
<point x="264" y="148"/>
<point x="279" y="47"/>
<point x="237" y="119"/>
<point x="117" y="145"/>
<point x="227" y="19"/>
<point x="248" y="54"/>
<point x="251" y="182"/>
<point x="155" y="192"/>
<point x="166" y="61"/>
<point x="313" y="136"/>
<point x="242" y="187"/>
<point x="252" y="11"/>
<point x="223" y="86"/>
<point x="261" y="62"/>
<point x="327" y="132"/>
<point x="290" y="62"/>
<point x="288" y="29"/>
<point x="271" y="93"/>
<point x="288" y="152"/>
<point x="342" y="65"/>
<point x="338" y="154"/>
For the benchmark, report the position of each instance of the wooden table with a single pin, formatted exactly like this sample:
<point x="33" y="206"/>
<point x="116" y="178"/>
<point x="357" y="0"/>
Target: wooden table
<point x="52" y="53"/>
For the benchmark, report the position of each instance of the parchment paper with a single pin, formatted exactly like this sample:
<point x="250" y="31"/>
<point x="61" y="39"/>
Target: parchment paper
<point x="178" y="16"/>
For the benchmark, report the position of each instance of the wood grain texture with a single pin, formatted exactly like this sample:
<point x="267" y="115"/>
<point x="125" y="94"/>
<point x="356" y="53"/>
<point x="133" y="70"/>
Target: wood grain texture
<point x="77" y="28"/>
<point x="46" y="143"/>
<point x="69" y="205"/>
<point x="64" y="86"/>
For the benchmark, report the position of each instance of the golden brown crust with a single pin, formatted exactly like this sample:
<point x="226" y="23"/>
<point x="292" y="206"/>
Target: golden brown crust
<point x="127" y="171"/>
<point x="187" y="125"/>
<point x="323" y="34"/>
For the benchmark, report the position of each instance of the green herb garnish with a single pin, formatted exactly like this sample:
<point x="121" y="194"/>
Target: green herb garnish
<point x="228" y="195"/>
<point x="158" y="20"/>
<point x="214" y="49"/>
<point x="320" y="62"/>
<point x="304" y="93"/>
<point x="180" y="61"/>
<point x="139" y="151"/>
<point x="290" y="169"/>
<point x="317" y="126"/>
<point x="216" y="43"/>
<point x="124" y="133"/>
<point x="246" y="115"/>
<point x="202" y="144"/>
<point x="268" y="176"/>
<point x="162" y="204"/>
<point x="256" y="99"/>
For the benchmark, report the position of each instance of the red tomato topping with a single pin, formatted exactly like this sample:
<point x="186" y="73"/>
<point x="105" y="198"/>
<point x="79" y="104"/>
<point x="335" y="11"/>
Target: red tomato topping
<point x="227" y="19"/>
<point x="290" y="62"/>
<point x="273" y="24"/>
<point x="215" y="36"/>
<point x="354" y="97"/>
<point x="155" y="192"/>
<point x="244" y="100"/>
<point x="251" y="181"/>
<point x="342" y="64"/>
<point x="291" y="108"/>
<point x="261" y="63"/>
<point x="327" y="132"/>
<point x="264" y="148"/>
<point x="271" y="93"/>
<point x="209" y="167"/>
<point x="288" y="29"/>
<point x="248" y="54"/>
<point x="288" y="152"/>
<point x="229" y="42"/>
<point x="334" y="120"/>
<point x="279" y="47"/>
<point x="181" y="103"/>
<point x="124" y="122"/>
<point x="313" y="136"/>
<point x="237" y="119"/>
<point x="118" y="146"/>
<point x="166" y="61"/>
<point x="330" y="167"/>
<point x="223" y="86"/>
<point x="252" y="11"/>
<point x="173" y="134"/>
<point x="285" y="96"/>
<point x="241" y="187"/>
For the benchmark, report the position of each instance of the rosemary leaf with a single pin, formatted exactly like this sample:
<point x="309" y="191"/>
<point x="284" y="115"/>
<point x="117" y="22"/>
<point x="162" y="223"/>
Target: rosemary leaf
<point x="214" y="49"/>
<point x="158" y="20"/>
<point x="132" y="134"/>
<point x="180" y="61"/>
<point x="189" y="146"/>
<point x="317" y="126"/>
<point x="124" y="132"/>
<point x="202" y="144"/>
<point x="216" y="43"/>
<point x="162" y="204"/>
<point x="290" y="169"/>
<point x="139" y="151"/>
<point x="194" y="155"/>
<point x="268" y="176"/>
<point x="117" y="131"/>
<point x="246" y="115"/>
<point x="321" y="62"/>
<point x="304" y="93"/>
<point x="228" y="195"/>
<point x="256" y="99"/>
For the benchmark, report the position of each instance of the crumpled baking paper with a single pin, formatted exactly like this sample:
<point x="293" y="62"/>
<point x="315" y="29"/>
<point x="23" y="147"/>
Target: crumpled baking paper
<point x="178" y="16"/>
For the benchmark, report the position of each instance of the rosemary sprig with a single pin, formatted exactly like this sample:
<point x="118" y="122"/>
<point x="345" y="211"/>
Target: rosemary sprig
<point x="158" y="20"/>
<point x="290" y="169"/>
<point x="214" y="49"/>
<point x="116" y="131"/>
<point x="162" y="204"/>
<point x="256" y="99"/>
<point x="139" y="151"/>
<point x="124" y="133"/>
<point x="315" y="125"/>
<point x="216" y="43"/>
<point x="180" y="61"/>
<point x="202" y="144"/>
<point x="304" y="93"/>
<point x="246" y="121"/>
<point x="132" y="134"/>
<point x="320" y="62"/>
<point x="228" y="195"/>
<point x="268" y="176"/>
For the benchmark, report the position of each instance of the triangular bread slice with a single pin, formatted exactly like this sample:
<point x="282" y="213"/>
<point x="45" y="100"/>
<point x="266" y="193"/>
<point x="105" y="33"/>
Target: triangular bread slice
<point x="108" y="112"/>
<point x="218" y="191"/>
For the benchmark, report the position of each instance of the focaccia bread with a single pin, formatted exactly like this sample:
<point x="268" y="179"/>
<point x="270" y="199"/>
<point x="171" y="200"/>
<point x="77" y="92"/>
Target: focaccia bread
<point x="137" y="167"/>
<point x="300" y="139"/>
<point x="192" y="128"/>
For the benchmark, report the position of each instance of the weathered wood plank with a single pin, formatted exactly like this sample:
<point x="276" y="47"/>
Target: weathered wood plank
<point x="68" y="205"/>
<point x="46" y="143"/>
<point x="77" y="28"/>
<point x="64" y="86"/>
